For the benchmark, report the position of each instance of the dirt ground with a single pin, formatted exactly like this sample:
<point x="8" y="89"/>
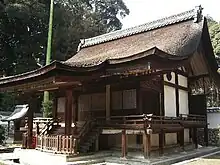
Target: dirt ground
<point x="212" y="160"/>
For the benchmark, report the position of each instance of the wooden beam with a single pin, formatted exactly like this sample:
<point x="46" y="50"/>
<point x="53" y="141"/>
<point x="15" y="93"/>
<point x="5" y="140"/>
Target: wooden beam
<point x="147" y="145"/>
<point x="124" y="143"/>
<point x="176" y="86"/>
<point x="107" y="101"/>
<point x="161" y="142"/>
<point x="68" y="111"/>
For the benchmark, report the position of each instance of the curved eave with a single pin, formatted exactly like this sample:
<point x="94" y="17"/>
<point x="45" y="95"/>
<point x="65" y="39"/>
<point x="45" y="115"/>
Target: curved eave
<point x="148" y="53"/>
<point x="54" y="66"/>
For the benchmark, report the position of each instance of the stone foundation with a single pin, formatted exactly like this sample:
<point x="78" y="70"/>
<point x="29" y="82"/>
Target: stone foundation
<point x="214" y="135"/>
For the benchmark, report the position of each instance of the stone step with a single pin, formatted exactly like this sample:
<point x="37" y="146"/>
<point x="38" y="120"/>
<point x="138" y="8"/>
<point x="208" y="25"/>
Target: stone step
<point x="91" y="156"/>
<point x="87" y="162"/>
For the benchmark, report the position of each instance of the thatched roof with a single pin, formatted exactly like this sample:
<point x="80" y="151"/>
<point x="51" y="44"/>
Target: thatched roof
<point x="178" y="35"/>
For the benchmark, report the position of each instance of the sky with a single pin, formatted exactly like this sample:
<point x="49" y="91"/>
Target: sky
<point x="142" y="11"/>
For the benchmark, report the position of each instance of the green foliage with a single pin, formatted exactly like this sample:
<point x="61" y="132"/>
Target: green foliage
<point x="2" y="134"/>
<point x="24" y="30"/>
<point x="214" y="31"/>
<point x="47" y="108"/>
<point x="7" y="101"/>
<point x="24" y="27"/>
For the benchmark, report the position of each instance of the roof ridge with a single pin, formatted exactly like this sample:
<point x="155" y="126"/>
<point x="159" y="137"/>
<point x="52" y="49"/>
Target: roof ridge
<point x="195" y="14"/>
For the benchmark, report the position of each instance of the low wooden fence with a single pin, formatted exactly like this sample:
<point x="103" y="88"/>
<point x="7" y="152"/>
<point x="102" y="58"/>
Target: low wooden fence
<point x="57" y="144"/>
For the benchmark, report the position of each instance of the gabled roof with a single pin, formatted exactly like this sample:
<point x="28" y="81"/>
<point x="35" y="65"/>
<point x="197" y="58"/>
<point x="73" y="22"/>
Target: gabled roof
<point x="176" y="35"/>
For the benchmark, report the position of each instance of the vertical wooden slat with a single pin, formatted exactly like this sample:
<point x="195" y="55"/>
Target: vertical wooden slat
<point x="107" y="101"/>
<point x="124" y="143"/>
<point x="147" y="145"/>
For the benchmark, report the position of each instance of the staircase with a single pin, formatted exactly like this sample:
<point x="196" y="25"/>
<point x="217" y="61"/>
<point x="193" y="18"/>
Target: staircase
<point x="89" y="143"/>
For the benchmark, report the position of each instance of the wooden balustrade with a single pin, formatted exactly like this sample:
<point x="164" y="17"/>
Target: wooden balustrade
<point x="57" y="144"/>
<point x="151" y="121"/>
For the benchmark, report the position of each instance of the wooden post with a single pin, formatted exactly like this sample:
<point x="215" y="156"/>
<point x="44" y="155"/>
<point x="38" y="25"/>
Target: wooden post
<point x="54" y="112"/>
<point x="147" y="145"/>
<point x="195" y="138"/>
<point x="97" y="144"/>
<point x="124" y="144"/>
<point x="162" y="111"/>
<point x="75" y="112"/>
<point x="182" y="138"/>
<point x="8" y="128"/>
<point x="68" y="111"/>
<point x="30" y="115"/>
<point x="107" y="101"/>
<point x="161" y="142"/>
<point x="206" y="136"/>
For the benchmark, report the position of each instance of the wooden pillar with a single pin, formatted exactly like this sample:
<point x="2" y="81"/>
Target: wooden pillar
<point x="162" y="111"/>
<point x="107" y="101"/>
<point x="8" y="128"/>
<point x="161" y="142"/>
<point x="75" y="112"/>
<point x="68" y="111"/>
<point x="124" y="143"/>
<point x="54" y="111"/>
<point x="195" y="138"/>
<point x="30" y="115"/>
<point x="181" y="139"/>
<point x="147" y="145"/>
<point x="206" y="136"/>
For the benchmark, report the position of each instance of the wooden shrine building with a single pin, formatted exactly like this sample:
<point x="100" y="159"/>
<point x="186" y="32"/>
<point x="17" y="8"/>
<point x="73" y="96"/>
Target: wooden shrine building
<point x="142" y="87"/>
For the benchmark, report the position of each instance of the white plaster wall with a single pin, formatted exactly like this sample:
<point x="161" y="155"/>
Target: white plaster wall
<point x="170" y="138"/>
<point x="61" y="104"/>
<point x="183" y="102"/>
<point x="169" y="101"/>
<point x="182" y="80"/>
<point x="155" y="140"/>
<point x="213" y="119"/>
<point x="173" y="78"/>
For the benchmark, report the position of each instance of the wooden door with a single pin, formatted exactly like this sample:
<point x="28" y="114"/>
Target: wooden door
<point x="197" y="104"/>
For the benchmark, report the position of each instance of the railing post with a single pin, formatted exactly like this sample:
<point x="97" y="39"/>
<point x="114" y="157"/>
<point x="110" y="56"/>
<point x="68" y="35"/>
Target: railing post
<point x="147" y="144"/>
<point x="71" y="144"/>
<point x="124" y="143"/>
<point x="75" y="144"/>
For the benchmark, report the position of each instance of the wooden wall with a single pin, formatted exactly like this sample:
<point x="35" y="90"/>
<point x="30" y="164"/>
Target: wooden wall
<point x="122" y="103"/>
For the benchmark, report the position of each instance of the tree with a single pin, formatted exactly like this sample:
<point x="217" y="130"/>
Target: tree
<point x="24" y="27"/>
<point x="214" y="31"/>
